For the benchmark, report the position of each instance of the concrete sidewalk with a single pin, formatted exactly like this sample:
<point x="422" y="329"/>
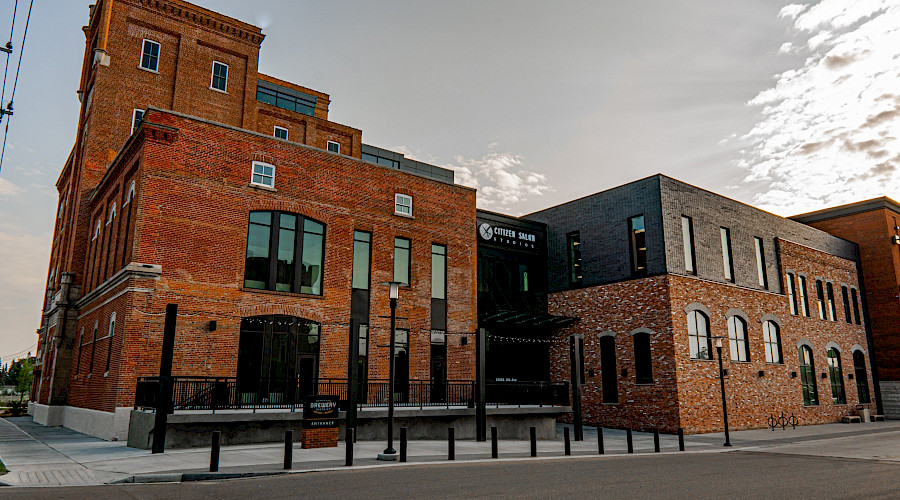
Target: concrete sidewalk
<point x="53" y="456"/>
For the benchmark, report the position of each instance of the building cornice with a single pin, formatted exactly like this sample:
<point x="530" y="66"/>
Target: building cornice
<point x="882" y="203"/>
<point x="207" y="19"/>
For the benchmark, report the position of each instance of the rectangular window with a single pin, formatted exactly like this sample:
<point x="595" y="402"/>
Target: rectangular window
<point x="312" y="258"/>
<point x="638" y="244"/>
<point x="804" y="302"/>
<point x="820" y="299"/>
<point x="287" y="238"/>
<point x="281" y="132"/>
<point x="846" y="297"/>
<point x="285" y="98"/>
<point x="438" y="272"/>
<point x="334" y="147"/>
<point x="263" y="174"/>
<point x="853" y="296"/>
<point x="150" y="55"/>
<point x="792" y="293"/>
<point x="362" y="254"/>
<point x="687" y="239"/>
<point x="575" y="276"/>
<point x="832" y="310"/>
<point x="761" y="262"/>
<point x="219" y="77"/>
<point x="401" y="260"/>
<point x="728" y="265"/>
<point x="256" y="270"/>
<point x="401" y="365"/>
<point x="403" y="204"/>
<point x="136" y="118"/>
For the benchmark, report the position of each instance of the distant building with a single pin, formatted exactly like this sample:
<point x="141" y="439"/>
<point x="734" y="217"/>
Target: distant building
<point x="874" y="225"/>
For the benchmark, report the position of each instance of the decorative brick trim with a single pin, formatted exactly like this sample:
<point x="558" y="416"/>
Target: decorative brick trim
<point x="737" y="312"/>
<point x="636" y="331"/>
<point x="696" y="306"/>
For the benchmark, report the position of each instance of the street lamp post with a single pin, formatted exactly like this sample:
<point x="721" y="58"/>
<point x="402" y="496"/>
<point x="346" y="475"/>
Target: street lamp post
<point x="722" y="388"/>
<point x="390" y="453"/>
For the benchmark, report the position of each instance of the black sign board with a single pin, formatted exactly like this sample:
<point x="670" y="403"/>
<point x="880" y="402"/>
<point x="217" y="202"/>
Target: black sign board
<point x="320" y="412"/>
<point x="507" y="237"/>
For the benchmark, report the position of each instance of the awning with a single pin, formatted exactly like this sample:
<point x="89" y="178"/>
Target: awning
<point x="526" y="319"/>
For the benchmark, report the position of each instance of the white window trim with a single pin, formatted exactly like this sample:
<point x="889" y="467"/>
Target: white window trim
<point x="329" y="143"/>
<point x="212" y="77"/>
<point x="130" y="195"/>
<point x="134" y="118"/>
<point x="158" y="57"/>
<point x="253" y="170"/>
<point x="112" y="214"/>
<point x="397" y="197"/>
<point x="96" y="231"/>
<point x="287" y="133"/>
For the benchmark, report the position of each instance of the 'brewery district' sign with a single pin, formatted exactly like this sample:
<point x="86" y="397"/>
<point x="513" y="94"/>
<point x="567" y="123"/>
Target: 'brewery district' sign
<point x="320" y="412"/>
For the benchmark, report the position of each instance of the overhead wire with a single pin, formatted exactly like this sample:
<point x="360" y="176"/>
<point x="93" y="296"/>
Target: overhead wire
<point x="12" y="95"/>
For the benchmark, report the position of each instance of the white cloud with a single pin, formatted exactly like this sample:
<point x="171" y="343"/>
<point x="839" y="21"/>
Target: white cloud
<point x="828" y="133"/>
<point x="25" y="256"/>
<point x="8" y="188"/>
<point x="500" y="179"/>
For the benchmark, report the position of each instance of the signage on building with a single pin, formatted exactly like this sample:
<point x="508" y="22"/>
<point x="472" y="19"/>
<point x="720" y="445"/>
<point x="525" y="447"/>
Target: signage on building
<point x="320" y="412"/>
<point x="508" y="237"/>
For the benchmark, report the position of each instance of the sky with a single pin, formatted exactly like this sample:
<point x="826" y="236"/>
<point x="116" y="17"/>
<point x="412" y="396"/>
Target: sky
<point x="791" y="107"/>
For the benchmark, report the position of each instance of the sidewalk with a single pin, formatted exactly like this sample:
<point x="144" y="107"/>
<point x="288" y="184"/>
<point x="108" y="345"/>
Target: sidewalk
<point x="53" y="456"/>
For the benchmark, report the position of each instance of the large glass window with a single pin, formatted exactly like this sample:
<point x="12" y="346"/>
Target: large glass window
<point x="862" y="377"/>
<point x="638" y="244"/>
<point x="698" y="335"/>
<point x="643" y="359"/>
<point x="792" y="294"/>
<point x="820" y="299"/>
<point x="855" y="300"/>
<point x="278" y="358"/>
<point x="401" y="260"/>
<point x="401" y="366"/>
<point x="737" y="339"/>
<point x="574" y="244"/>
<point x="761" y="262"/>
<point x="808" y="376"/>
<point x="438" y="272"/>
<point x="832" y="310"/>
<point x="285" y="98"/>
<point x="150" y="55"/>
<point x="846" y="297"/>
<point x="362" y="255"/>
<point x="728" y="264"/>
<point x="804" y="302"/>
<point x="837" y="377"/>
<point x="274" y="243"/>
<point x="772" y="341"/>
<point x="687" y="239"/>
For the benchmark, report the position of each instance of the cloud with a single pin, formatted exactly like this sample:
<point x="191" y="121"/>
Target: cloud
<point x="500" y="178"/>
<point x="8" y="188"/>
<point x="21" y="294"/>
<point x="827" y="130"/>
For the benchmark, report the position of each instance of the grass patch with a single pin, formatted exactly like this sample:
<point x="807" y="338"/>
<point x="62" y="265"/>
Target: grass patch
<point x="2" y="468"/>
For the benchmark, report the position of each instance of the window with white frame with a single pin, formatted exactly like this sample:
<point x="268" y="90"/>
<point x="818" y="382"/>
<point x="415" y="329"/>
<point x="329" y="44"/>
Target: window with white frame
<point x="737" y="339"/>
<point x="97" y="230"/>
<point x="136" y="118"/>
<point x="772" y="341"/>
<point x="699" y="339"/>
<point x="150" y="55"/>
<point x="112" y="214"/>
<point x="334" y="147"/>
<point x="263" y="174"/>
<point x="281" y="132"/>
<point x="403" y="204"/>
<point x="219" y="77"/>
<point x="109" y="335"/>
<point x="130" y="195"/>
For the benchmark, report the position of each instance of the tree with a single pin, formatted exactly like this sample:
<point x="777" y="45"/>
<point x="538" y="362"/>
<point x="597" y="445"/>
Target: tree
<point x="23" y="379"/>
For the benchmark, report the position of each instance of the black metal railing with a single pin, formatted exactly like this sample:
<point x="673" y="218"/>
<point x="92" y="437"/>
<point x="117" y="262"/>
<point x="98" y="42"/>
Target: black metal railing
<point x="219" y="393"/>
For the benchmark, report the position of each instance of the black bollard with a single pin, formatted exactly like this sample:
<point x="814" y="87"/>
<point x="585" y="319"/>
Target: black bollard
<point x="493" y="442"/>
<point x="567" y="445"/>
<point x="600" y="439"/>
<point x="630" y="441"/>
<point x="288" y="449"/>
<point x="214" y="453"/>
<point x="451" y="443"/>
<point x="348" y="439"/>
<point x="403" y="444"/>
<point x="656" y="440"/>
<point x="533" y="431"/>
<point x="680" y="439"/>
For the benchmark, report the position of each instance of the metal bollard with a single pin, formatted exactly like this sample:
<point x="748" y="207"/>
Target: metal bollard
<point x="630" y="441"/>
<point x="451" y="443"/>
<point x="600" y="439"/>
<point x="348" y="439"/>
<point x="680" y="439"/>
<point x="493" y="442"/>
<point x="533" y="431"/>
<point x="403" y="444"/>
<point x="214" y="453"/>
<point x="567" y="443"/>
<point x="288" y="449"/>
<point x="656" y="440"/>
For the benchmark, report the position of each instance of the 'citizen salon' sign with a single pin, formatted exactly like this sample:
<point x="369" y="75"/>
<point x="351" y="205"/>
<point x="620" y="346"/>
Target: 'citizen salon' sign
<point x="506" y="236"/>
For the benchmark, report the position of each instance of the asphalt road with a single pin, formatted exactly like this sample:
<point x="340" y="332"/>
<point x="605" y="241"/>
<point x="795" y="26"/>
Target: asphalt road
<point x="692" y="476"/>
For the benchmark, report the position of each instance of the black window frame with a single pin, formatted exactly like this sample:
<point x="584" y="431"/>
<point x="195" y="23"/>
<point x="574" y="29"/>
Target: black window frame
<point x="760" y="250"/>
<point x="434" y="256"/>
<point x="297" y="274"/>
<point x="836" y="376"/>
<point x="608" y="369"/>
<point x="397" y="251"/>
<point x="829" y="296"/>
<point x="804" y="296"/>
<point x="643" y="358"/>
<point x="862" y="377"/>
<point x="727" y="254"/>
<point x="854" y="298"/>
<point x="820" y="299"/>
<point x="576" y="269"/>
<point x="845" y="295"/>
<point x="357" y="238"/>
<point x="687" y="239"/>
<point x="810" y="391"/>
<point x="793" y="302"/>
<point x="638" y="254"/>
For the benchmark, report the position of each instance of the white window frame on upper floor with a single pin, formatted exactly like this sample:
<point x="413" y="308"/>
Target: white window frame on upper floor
<point x="96" y="231"/>
<point x="135" y="121"/>
<point x="158" y="54"/>
<point x="286" y="133"/>
<point x="112" y="214"/>
<point x="262" y="174"/>
<point x="130" y="195"/>
<point x="212" y="77"/>
<point x="399" y="198"/>
<point x="328" y="145"/>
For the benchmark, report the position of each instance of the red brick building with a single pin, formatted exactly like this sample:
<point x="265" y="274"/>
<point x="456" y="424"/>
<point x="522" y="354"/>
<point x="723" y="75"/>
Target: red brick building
<point x="874" y="225"/>
<point x="197" y="180"/>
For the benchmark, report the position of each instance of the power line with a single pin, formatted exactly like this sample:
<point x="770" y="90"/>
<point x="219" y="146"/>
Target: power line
<point x="23" y="351"/>
<point x="12" y="96"/>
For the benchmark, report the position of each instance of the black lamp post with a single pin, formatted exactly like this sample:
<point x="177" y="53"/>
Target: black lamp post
<point x="390" y="453"/>
<point x="722" y="387"/>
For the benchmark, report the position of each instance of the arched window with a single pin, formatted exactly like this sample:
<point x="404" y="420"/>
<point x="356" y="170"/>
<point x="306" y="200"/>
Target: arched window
<point x="862" y="377"/>
<point x="608" y="369"/>
<point x="808" y="376"/>
<point x="837" y="377"/>
<point x="130" y="195"/>
<point x="80" y="345"/>
<point x="93" y="347"/>
<point x="643" y="359"/>
<point x="737" y="339"/>
<point x="112" y="214"/>
<point x="698" y="335"/>
<point x="112" y="331"/>
<point x="772" y="341"/>
<point x="274" y="266"/>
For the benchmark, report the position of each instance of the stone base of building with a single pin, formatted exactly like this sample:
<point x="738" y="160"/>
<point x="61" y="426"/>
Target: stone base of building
<point x="890" y="398"/>
<point x="111" y="426"/>
<point x="319" y="438"/>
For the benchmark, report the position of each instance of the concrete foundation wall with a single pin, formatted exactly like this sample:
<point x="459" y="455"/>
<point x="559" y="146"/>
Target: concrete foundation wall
<point x="890" y="398"/>
<point x="101" y="424"/>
